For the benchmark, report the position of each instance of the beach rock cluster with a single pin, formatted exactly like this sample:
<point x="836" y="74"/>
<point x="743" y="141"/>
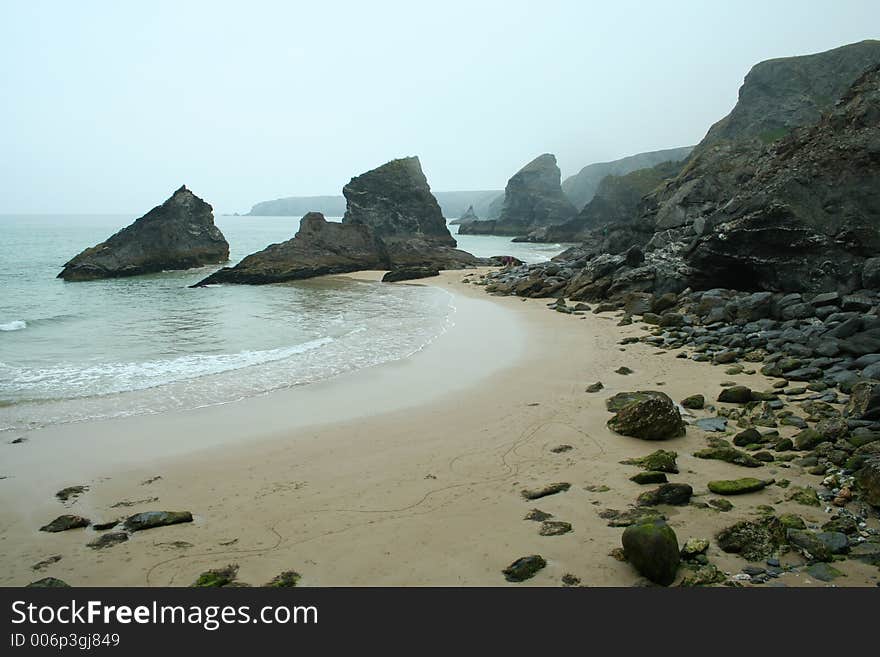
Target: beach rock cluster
<point x="392" y="221"/>
<point x="179" y="234"/>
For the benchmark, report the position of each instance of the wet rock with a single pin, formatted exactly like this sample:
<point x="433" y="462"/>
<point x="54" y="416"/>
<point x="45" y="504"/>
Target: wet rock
<point x="808" y="439"/>
<point x="623" y="371"/>
<point x="64" y="523"/>
<point x="524" y="568"/>
<point x="151" y="519"/>
<point x="864" y="402"/>
<point x="652" y="549"/>
<point x="748" y="437"/>
<point x="738" y="486"/>
<point x="102" y="526"/>
<point x="754" y="540"/>
<point x="595" y="387"/>
<point x="694" y="402"/>
<point x="653" y="418"/>
<point x="735" y="395"/>
<point x="630" y="516"/>
<point x="108" y="540"/>
<point x="823" y="572"/>
<point x="721" y="450"/>
<point x="660" y="461"/>
<point x="570" y="580"/>
<point x="649" y="477"/>
<point x="712" y="424"/>
<point x="550" y="489"/>
<point x="809" y="544"/>
<point x="554" y="528"/>
<point x="672" y="494"/>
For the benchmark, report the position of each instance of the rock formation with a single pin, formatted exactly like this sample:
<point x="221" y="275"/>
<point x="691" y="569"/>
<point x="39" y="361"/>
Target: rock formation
<point x="319" y="247"/>
<point x="392" y="221"/>
<point x="533" y="198"/>
<point x="468" y="216"/>
<point x="179" y="234"/>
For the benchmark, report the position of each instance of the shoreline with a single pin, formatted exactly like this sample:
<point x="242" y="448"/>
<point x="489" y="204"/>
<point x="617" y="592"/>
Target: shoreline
<point x="406" y="473"/>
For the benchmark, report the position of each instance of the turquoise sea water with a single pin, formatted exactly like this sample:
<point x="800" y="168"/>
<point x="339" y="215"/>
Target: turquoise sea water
<point x="72" y="351"/>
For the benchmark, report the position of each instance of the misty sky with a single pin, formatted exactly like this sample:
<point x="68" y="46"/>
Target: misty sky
<point x="110" y="106"/>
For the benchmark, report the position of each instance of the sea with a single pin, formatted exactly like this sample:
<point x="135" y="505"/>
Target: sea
<point x="148" y="344"/>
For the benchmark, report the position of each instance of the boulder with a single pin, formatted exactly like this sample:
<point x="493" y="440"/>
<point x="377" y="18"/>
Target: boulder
<point x="659" y="461"/>
<point x="179" y="234"/>
<point x="738" y="486"/>
<point x="868" y="479"/>
<point x="654" y="417"/>
<point x="652" y="549"/>
<point x="864" y="402"/>
<point x="672" y="494"/>
<point x="151" y="519"/>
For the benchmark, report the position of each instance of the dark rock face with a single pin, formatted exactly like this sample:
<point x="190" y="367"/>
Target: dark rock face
<point x="533" y="198"/>
<point x="395" y="201"/>
<point x="652" y="548"/>
<point x="151" y="519"/>
<point x="393" y="221"/>
<point x="64" y="523"/>
<point x="319" y="247"/>
<point x="179" y="234"/>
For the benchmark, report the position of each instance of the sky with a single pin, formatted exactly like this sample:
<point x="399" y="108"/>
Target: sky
<point x="109" y="106"/>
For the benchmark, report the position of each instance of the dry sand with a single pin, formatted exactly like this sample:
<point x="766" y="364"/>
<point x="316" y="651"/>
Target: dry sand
<point x="408" y="473"/>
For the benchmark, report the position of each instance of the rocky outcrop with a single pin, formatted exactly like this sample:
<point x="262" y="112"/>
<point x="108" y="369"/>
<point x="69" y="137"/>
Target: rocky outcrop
<point x="468" y="216"/>
<point x="392" y="222"/>
<point x="585" y="184"/>
<point x="320" y="247"/>
<point x="179" y="234"/>
<point x="533" y="198"/>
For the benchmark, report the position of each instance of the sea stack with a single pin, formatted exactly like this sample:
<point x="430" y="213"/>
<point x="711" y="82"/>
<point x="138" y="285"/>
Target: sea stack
<point x="468" y="216"/>
<point x="392" y="220"/>
<point x="179" y="234"/>
<point x="533" y="198"/>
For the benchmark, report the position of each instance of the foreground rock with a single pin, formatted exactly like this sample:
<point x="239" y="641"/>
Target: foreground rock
<point x="524" y="568"/>
<point x="868" y="479"/>
<point x="392" y="221"/>
<point x="654" y="417"/>
<point x="217" y="577"/>
<point x="652" y="549"/>
<point x="179" y="234"/>
<point x="108" y="540"/>
<point x="65" y="523"/>
<point x="151" y="519"/>
<point x="49" y="583"/>
<point x="533" y="198"/>
<point x="753" y="540"/>
<point x="549" y="489"/>
<point x="738" y="486"/>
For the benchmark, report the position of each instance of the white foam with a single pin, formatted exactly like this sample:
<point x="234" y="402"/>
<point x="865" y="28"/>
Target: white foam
<point x="16" y="325"/>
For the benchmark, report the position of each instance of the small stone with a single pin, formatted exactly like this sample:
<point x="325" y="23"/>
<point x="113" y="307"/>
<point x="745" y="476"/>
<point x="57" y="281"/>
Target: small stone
<point x="694" y="546"/>
<point x="64" y="523"/>
<point x="108" y="540"/>
<point x="537" y="515"/>
<point x="151" y="519"/>
<point x="595" y="387"/>
<point x="672" y="494"/>
<point x="738" y="486"/>
<point x="623" y="371"/>
<point x="217" y="577"/>
<point x="649" y="477"/>
<point x="286" y="580"/>
<point x="570" y="580"/>
<point x="694" y="402"/>
<point x="560" y="449"/>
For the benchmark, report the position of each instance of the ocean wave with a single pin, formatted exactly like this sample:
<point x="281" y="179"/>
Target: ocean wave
<point x="16" y="325"/>
<point x="78" y="381"/>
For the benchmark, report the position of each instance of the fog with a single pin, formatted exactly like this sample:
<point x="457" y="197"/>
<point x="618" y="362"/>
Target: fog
<point x="110" y="106"/>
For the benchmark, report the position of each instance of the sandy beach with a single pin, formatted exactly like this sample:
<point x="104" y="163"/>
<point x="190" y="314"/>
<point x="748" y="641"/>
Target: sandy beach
<point x="407" y="473"/>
